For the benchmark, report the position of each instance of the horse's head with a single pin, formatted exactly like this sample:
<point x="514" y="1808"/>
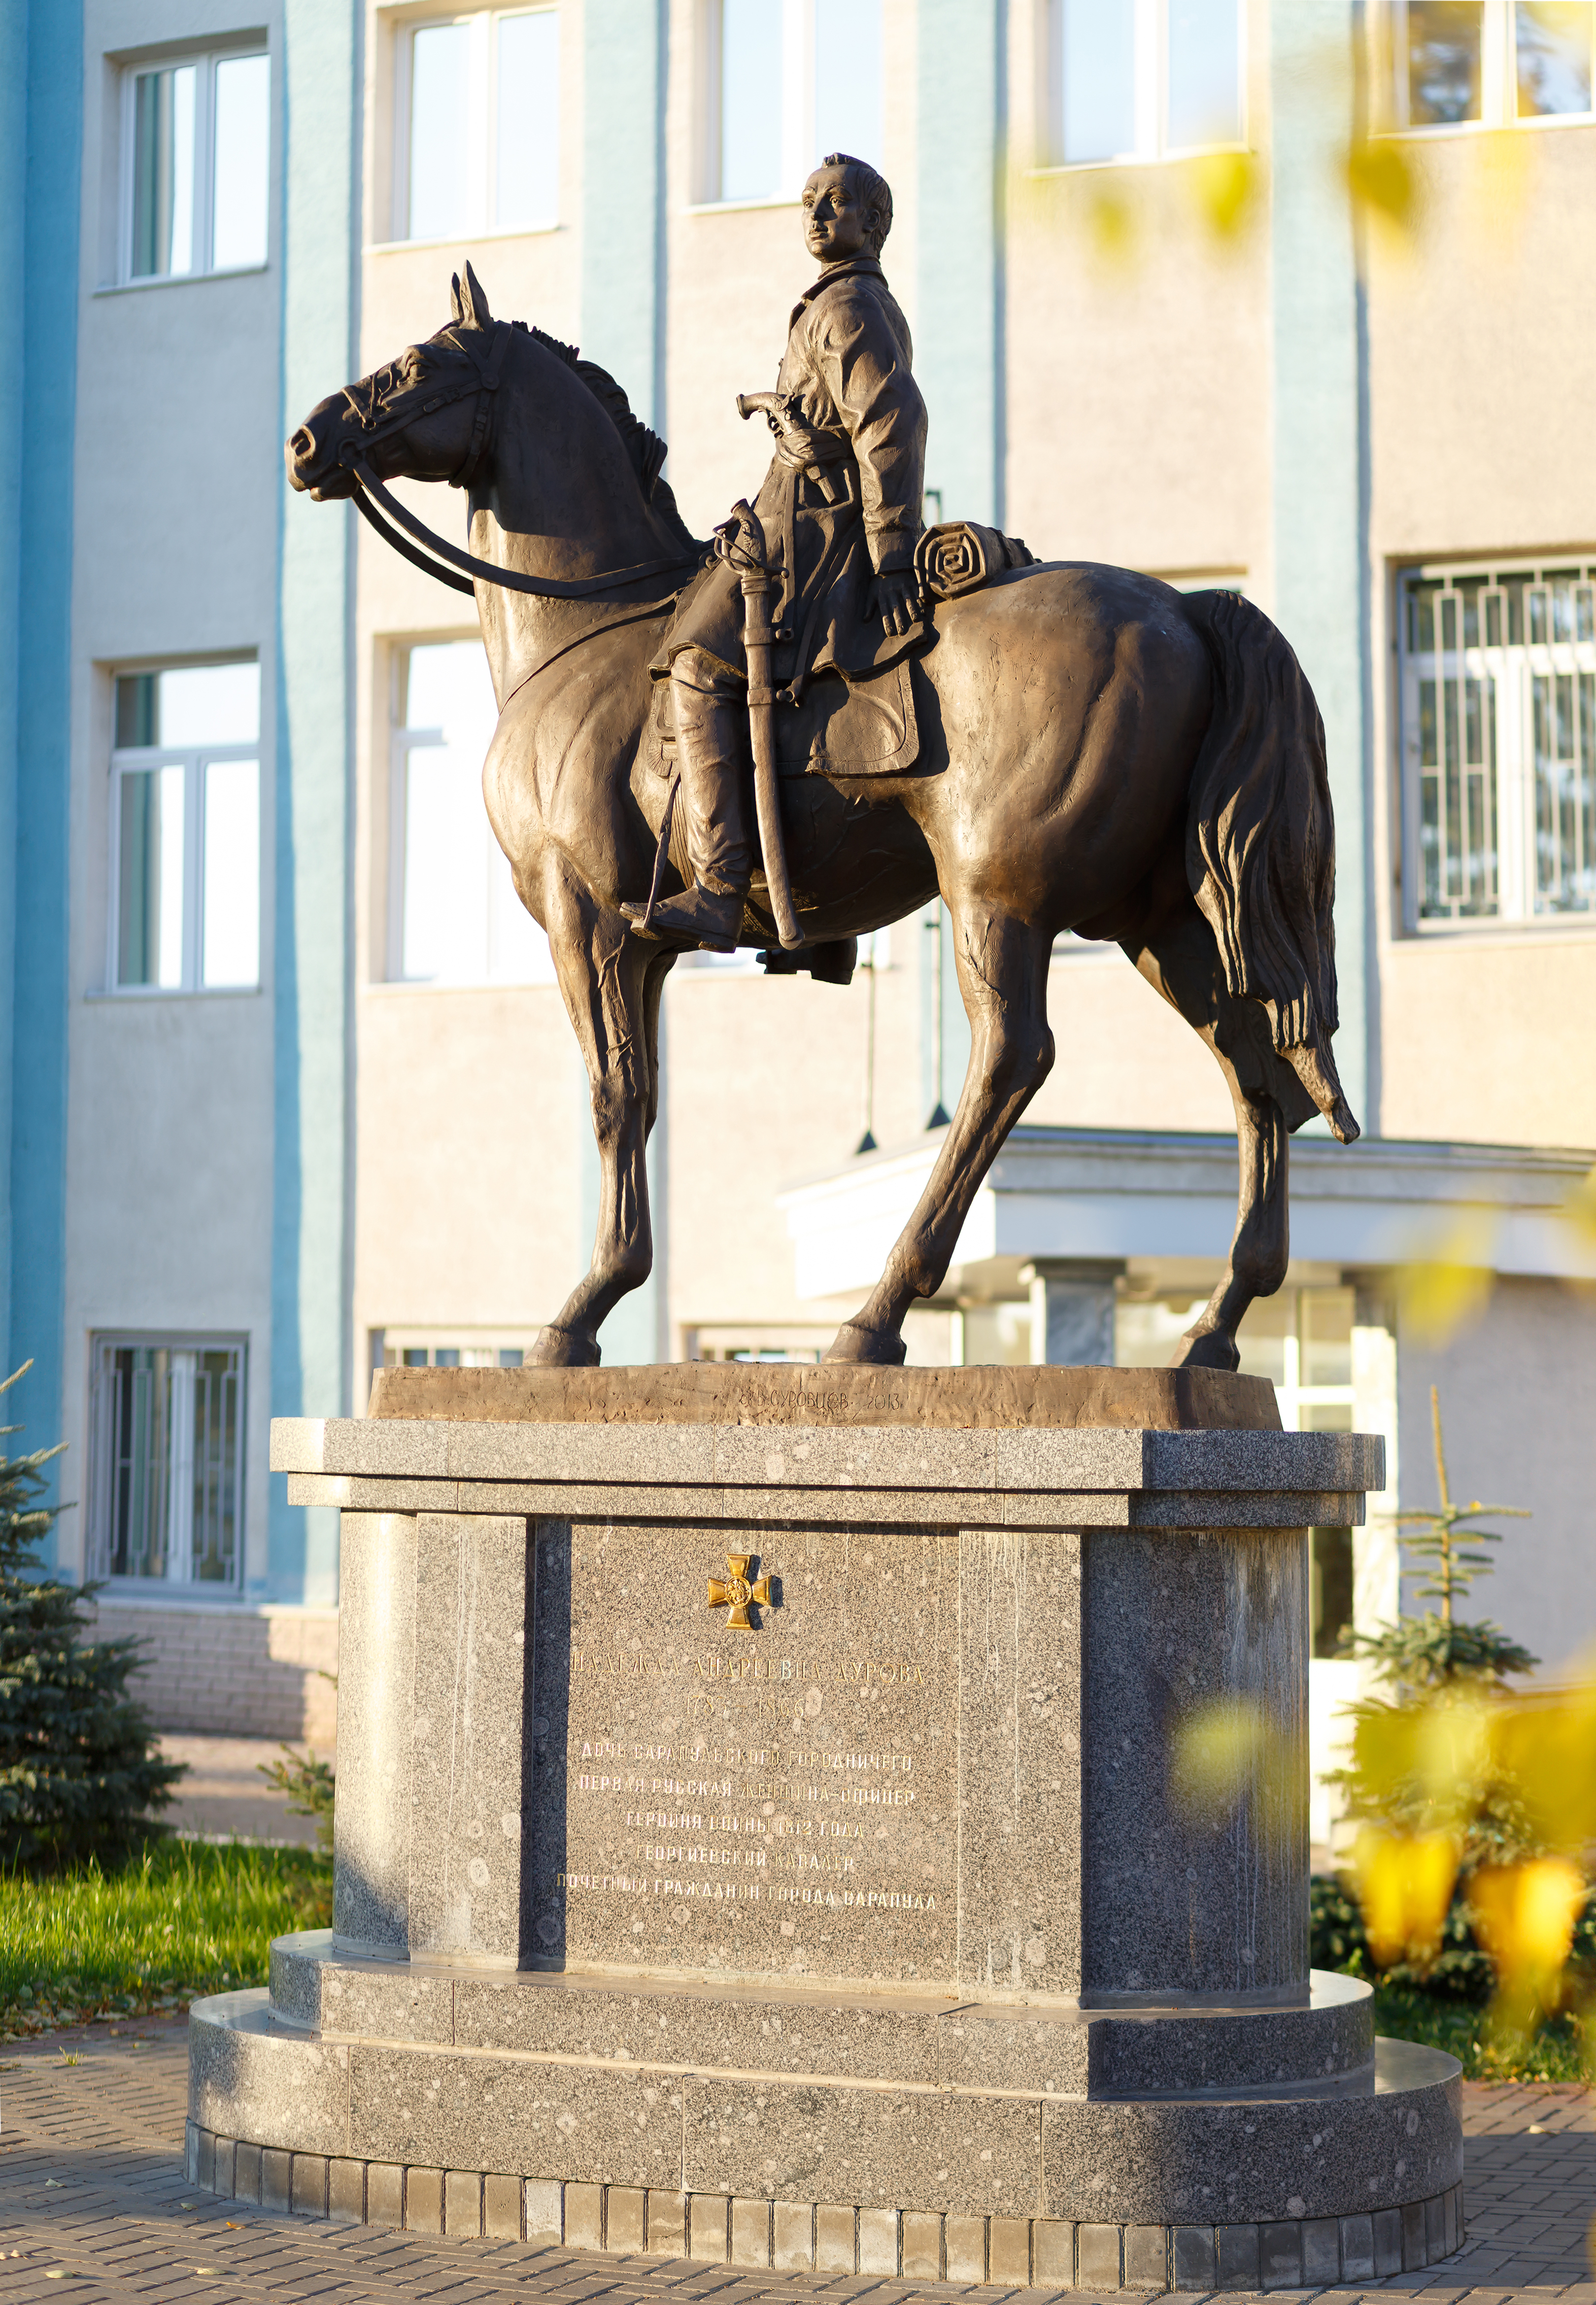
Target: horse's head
<point x="426" y="416"/>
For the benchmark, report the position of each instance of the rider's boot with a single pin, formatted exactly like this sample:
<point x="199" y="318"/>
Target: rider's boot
<point x="714" y="762"/>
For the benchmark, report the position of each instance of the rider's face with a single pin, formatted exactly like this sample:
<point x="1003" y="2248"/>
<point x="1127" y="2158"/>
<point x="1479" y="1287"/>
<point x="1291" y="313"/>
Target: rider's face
<point x="835" y="224"/>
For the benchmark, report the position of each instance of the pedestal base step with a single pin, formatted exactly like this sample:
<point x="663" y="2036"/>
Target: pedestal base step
<point x="831" y="2237"/>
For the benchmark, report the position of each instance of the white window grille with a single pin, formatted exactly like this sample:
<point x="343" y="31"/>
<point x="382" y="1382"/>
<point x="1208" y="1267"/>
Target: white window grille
<point x="1499" y="742"/>
<point x="1142" y="80"/>
<point x="196" y="166"/>
<point x="477" y="119"/>
<point x="453" y="916"/>
<point x="167" y="1452"/>
<point x="1484" y="64"/>
<point x="785" y="81"/>
<point x="185" y="830"/>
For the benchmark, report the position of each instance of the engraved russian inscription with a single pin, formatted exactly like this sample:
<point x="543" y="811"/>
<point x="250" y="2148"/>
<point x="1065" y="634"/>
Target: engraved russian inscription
<point x="783" y="1808"/>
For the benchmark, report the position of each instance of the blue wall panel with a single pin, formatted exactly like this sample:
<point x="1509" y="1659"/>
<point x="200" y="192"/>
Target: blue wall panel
<point x="623" y="326"/>
<point x="313" y="1133"/>
<point x="1321" y="566"/>
<point x="44" y="314"/>
<point x="958" y="343"/>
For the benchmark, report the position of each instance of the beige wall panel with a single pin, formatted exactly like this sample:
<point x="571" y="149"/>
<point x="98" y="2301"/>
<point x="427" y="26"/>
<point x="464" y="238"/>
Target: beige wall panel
<point x="1490" y="1042"/>
<point x="1138" y="384"/>
<point x="765" y="1083"/>
<point x="736" y="274"/>
<point x="1482" y="339"/>
<point x="1124" y="1058"/>
<point x="1516" y="1404"/>
<point x="471" y="1102"/>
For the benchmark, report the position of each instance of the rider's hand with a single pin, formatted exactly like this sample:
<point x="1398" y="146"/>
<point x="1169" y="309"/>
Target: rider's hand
<point x="894" y="598"/>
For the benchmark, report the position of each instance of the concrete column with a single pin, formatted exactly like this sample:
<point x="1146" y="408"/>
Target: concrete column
<point x="471" y="1753"/>
<point x="1194" y="1889"/>
<point x="1072" y="1311"/>
<point x="377" y="1664"/>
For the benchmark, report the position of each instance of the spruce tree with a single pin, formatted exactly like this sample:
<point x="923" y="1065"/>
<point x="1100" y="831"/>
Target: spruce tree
<point x="79" y="1773"/>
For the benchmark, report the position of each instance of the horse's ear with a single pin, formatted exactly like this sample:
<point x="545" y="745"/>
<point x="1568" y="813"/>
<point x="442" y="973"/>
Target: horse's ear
<point x="459" y="309"/>
<point x="475" y="303"/>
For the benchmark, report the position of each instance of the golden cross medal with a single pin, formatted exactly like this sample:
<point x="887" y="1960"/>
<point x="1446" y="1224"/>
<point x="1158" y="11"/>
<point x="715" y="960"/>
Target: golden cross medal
<point x="738" y="1590"/>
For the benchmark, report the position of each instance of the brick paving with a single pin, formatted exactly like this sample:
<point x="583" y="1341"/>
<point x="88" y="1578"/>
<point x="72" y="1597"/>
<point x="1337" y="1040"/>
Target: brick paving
<point x="92" y="2196"/>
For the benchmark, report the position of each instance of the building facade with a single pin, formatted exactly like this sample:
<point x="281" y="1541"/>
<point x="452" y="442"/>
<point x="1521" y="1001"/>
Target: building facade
<point x="1287" y="295"/>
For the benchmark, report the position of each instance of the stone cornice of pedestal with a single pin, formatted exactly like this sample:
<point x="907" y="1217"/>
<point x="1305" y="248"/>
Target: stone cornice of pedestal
<point x="1029" y="1478"/>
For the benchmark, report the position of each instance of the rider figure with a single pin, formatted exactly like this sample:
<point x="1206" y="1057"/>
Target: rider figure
<point x="840" y="508"/>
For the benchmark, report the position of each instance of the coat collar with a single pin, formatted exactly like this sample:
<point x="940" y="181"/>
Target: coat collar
<point x="857" y="267"/>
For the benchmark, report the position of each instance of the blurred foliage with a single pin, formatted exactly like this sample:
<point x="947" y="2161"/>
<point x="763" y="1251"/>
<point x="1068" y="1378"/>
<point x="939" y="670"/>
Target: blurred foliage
<point x="1379" y="179"/>
<point x="1476" y="1802"/>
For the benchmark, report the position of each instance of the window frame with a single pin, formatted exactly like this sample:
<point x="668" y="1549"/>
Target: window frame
<point x="1498" y="77"/>
<point x="404" y="33"/>
<point x="403" y="738"/>
<point x="1517" y="667"/>
<point x="1152" y="41"/>
<point x="798" y="113"/>
<point x="194" y="760"/>
<point x="103" y="1344"/>
<point x="205" y="58"/>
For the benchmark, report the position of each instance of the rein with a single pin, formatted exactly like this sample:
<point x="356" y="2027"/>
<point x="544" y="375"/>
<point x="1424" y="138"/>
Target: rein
<point x="371" y="493"/>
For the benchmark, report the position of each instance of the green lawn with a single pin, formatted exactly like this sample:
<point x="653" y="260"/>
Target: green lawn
<point x="182" y="1918"/>
<point x="1559" y="2052"/>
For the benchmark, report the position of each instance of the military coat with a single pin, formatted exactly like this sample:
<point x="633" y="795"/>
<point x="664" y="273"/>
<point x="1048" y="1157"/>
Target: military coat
<point x="848" y="363"/>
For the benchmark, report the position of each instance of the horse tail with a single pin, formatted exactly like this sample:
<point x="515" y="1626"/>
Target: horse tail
<point x="1260" y="841"/>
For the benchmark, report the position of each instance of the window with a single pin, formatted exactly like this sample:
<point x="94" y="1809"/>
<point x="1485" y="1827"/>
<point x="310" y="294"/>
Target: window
<point x="185" y="829"/>
<point x="1139" y="80"/>
<point x="478" y="99"/>
<point x="196" y="141"/>
<point x="787" y="81"/>
<point x="168" y="1446"/>
<point x="1488" y="62"/>
<point x="1499" y="742"/>
<point x="453" y="913"/>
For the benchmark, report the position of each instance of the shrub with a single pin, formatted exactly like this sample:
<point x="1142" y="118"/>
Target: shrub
<point x="79" y="1772"/>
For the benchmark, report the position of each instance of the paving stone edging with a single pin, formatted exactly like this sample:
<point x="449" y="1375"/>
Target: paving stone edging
<point x="826" y="2237"/>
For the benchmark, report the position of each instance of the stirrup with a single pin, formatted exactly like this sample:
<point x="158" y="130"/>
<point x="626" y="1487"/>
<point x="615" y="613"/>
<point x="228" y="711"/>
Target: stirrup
<point x="676" y="920"/>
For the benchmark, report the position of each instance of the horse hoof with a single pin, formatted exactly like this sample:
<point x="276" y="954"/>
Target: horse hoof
<point x="1207" y="1348"/>
<point x="874" y="1347"/>
<point x="563" y="1348"/>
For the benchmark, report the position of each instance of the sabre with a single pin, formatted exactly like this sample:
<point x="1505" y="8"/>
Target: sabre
<point x="741" y="543"/>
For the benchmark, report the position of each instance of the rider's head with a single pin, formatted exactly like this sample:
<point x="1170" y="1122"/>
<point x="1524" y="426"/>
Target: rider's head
<point x="847" y="207"/>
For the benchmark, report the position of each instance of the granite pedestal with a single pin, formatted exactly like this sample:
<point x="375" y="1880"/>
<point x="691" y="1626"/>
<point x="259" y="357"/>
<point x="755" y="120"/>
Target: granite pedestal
<point x="761" y="1836"/>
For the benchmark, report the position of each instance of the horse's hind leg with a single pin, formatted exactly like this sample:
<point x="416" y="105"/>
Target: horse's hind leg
<point x="1181" y="960"/>
<point x="611" y="984"/>
<point x="1003" y="975"/>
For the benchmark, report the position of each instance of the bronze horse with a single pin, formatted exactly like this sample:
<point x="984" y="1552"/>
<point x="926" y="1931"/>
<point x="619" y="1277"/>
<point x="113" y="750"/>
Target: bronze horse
<point x="1098" y="753"/>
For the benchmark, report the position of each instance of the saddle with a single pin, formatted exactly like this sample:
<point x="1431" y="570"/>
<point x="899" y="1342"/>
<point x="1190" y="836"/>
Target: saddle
<point x="866" y="727"/>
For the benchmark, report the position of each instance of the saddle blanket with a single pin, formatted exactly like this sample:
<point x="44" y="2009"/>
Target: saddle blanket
<point x="866" y="728"/>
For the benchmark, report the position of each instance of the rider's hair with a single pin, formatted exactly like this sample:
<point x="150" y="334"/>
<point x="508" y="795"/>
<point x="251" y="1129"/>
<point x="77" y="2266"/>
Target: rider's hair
<point x="871" y="190"/>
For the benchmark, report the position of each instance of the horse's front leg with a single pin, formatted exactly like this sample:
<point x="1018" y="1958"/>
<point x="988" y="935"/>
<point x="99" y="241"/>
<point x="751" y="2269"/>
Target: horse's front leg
<point x="1003" y="976"/>
<point x="610" y="982"/>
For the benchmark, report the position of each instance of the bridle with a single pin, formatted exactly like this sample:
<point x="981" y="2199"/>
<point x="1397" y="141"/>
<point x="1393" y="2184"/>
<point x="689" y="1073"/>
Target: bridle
<point x="398" y="414"/>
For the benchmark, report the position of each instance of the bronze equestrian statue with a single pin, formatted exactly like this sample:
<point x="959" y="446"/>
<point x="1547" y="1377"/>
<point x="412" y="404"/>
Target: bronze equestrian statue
<point x="1061" y="748"/>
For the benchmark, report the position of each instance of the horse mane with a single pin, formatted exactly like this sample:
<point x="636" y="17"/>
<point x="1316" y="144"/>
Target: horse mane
<point x="645" y="448"/>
